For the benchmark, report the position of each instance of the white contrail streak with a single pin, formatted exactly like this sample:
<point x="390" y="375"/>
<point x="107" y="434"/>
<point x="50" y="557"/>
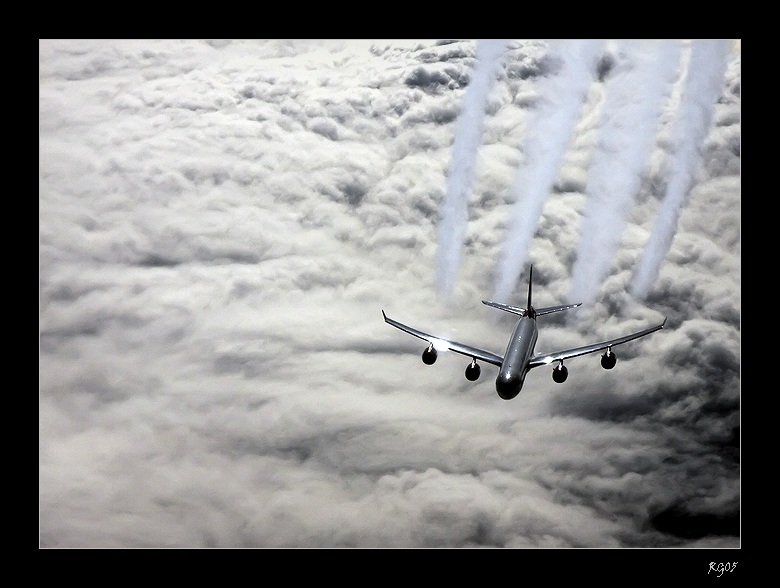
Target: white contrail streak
<point x="468" y="136"/>
<point x="630" y="114"/>
<point x="702" y="88"/>
<point x="550" y="128"/>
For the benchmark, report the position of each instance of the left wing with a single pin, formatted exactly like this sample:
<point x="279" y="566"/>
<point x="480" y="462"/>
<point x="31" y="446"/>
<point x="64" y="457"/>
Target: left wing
<point x="538" y="360"/>
<point x="466" y="350"/>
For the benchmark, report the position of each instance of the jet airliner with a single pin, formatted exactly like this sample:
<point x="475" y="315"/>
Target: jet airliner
<point x="519" y="356"/>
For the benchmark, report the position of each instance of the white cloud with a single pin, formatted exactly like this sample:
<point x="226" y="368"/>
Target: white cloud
<point x="221" y="224"/>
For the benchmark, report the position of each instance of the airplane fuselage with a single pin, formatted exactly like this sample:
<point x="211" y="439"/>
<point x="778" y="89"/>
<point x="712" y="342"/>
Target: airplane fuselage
<point x="518" y="353"/>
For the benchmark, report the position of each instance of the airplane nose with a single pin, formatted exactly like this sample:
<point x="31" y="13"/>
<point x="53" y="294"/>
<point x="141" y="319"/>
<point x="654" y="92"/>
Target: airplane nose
<point x="507" y="388"/>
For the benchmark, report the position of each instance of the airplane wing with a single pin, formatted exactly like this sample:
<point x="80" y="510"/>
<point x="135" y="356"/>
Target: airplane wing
<point x="466" y="350"/>
<point x="547" y="358"/>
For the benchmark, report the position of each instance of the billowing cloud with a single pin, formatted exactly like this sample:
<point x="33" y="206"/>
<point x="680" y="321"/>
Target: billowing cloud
<point x="221" y="224"/>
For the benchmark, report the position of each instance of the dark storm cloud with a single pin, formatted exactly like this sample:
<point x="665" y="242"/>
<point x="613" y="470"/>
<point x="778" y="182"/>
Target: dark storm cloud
<point x="221" y="224"/>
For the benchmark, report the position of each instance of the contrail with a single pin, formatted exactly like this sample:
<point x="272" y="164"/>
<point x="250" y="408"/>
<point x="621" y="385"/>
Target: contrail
<point x="706" y="68"/>
<point x="468" y="135"/>
<point x="630" y="113"/>
<point x="550" y="129"/>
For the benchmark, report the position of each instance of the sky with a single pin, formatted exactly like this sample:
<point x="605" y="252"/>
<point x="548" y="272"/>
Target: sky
<point x="221" y="224"/>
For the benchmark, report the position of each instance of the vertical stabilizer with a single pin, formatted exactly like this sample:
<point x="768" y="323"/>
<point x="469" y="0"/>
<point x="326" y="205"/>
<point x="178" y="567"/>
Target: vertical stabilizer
<point x="530" y="284"/>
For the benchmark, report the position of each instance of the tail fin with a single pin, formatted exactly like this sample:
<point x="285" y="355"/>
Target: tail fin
<point x="529" y="310"/>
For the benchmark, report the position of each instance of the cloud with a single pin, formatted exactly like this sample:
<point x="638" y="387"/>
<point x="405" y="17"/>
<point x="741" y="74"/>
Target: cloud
<point x="460" y="175"/>
<point x="220" y="226"/>
<point x="702" y="88"/>
<point x="553" y="120"/>
<point x="633" y="101"/>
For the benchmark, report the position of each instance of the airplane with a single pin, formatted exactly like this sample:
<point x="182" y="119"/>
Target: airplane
<point x="519" y="356"/>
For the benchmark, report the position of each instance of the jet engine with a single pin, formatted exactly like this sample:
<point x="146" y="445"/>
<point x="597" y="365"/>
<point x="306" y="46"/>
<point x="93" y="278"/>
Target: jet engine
<point x="429" y="355"/>
<point x="472" y="371"/>
<point x="560" y="374"/>
<point x="608" y="359"/>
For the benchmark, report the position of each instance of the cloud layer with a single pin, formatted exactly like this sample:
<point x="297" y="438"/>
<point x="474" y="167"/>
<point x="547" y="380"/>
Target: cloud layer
<point x="221" y="224"/>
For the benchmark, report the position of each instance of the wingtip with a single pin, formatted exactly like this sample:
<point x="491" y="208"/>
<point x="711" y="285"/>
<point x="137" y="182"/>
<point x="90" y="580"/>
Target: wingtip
<point x="384" y="316"/>
<point x="663" y="324"/>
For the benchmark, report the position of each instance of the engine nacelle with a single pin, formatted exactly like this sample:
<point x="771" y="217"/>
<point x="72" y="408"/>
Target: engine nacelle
<point x="608" y="360"/>
<point x="472" y="371"/>
<point x="429" y="355"/>
<point x="560" y="374"/>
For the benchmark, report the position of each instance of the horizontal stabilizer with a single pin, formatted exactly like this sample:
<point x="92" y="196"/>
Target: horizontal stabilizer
<point x="506" y="307"/>
<point x="521" y="311"/>
<point x="549" y="309"/>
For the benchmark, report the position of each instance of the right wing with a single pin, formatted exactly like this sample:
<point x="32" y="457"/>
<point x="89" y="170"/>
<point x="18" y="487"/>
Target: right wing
<point x="466" y="350"/>
<point x="538" y="360"/>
